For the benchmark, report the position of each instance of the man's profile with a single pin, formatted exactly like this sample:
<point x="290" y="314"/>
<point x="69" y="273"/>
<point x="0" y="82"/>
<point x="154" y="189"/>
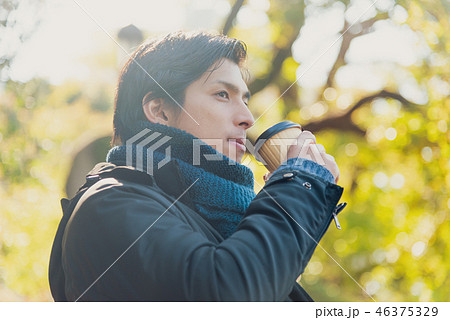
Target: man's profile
<point x="189" y="230"/>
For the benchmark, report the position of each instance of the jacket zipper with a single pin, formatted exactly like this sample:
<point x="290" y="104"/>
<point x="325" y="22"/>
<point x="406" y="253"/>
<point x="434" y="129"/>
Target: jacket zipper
<point x="336" y="210"/>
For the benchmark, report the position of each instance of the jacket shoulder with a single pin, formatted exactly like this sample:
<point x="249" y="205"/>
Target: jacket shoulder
<point x="126" y="196"/>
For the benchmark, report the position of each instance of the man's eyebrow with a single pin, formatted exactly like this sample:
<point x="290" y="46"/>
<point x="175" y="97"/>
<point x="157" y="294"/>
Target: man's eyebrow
<point x="233" y="88"/>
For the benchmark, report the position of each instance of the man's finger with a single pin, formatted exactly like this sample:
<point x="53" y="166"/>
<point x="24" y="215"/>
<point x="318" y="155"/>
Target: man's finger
<point x="316" y="154"/>
<point x="306" y="136"/>
<point x="321" y="148"/>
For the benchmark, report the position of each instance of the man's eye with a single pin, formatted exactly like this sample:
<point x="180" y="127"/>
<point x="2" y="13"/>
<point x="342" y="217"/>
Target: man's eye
<point x="223" y="94"/>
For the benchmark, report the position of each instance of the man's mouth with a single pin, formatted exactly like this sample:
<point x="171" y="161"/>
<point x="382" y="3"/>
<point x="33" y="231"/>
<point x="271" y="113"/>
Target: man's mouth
<point x="239" y="143"/>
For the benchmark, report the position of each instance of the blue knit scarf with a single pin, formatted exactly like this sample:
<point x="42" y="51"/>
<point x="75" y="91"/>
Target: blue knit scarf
<point x="224" y="188"/>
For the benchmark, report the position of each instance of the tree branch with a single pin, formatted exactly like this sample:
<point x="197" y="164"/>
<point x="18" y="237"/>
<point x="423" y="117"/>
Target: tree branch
<point x="279" y="56"/>
<point x="292" y="21"/>
<point x="381" y="94"/>
<point x="347" y="38"/>
<point x="230" y="19"/>
<point x="344" y="122"/>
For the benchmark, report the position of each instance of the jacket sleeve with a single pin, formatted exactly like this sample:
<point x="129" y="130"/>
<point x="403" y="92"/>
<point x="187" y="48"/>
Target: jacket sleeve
<point x="172" y="262"/>
<point x="307" y="166"/>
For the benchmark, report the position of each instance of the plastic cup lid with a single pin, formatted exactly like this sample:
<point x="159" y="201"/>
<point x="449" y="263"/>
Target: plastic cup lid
<point x="273" y="130"/>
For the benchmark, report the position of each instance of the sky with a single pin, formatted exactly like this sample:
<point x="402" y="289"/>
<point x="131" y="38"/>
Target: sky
<point x="71" y="30"/>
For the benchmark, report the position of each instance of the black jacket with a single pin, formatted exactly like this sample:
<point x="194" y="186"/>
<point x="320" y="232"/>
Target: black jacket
<point x="128" y="239"/>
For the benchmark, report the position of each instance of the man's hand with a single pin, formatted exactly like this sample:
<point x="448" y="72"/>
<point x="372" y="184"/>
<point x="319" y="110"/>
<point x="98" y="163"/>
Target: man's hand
<point x="308" y="148"/>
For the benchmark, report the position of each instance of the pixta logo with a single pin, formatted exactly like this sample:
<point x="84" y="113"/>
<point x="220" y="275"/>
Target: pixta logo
<point x="148" y="141"/>
<point x="272" y="150"/>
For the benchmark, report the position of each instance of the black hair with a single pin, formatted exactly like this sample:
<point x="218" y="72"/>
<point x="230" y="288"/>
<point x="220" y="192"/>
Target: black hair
<point x="166" y="67"/>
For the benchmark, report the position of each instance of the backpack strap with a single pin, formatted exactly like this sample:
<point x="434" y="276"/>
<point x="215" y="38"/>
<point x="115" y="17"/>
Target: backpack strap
<point x="101" y="171"/>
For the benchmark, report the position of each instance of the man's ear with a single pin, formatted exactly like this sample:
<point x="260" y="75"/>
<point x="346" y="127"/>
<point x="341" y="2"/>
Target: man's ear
<point x="156" y="110"/>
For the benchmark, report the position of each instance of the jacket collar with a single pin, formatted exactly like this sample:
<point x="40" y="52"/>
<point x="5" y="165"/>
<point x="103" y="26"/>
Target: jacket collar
<point x="168" y="178"/>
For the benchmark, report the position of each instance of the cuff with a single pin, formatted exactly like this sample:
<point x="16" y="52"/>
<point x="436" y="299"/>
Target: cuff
<point x="306" y="166"/>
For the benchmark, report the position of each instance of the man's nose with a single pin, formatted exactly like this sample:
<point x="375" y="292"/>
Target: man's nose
<point x="246" y="119"/>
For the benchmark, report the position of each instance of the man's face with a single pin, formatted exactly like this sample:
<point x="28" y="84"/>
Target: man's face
<point x="218" y="102"/>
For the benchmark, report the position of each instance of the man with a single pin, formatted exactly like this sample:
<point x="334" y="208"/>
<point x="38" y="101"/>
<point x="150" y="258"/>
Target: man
<point x="169" y="219"/>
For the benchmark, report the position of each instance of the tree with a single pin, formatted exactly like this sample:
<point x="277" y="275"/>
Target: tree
<point x="391" y="147"/>
<point x="393" y="153"/>
<point x="14" y="30"/>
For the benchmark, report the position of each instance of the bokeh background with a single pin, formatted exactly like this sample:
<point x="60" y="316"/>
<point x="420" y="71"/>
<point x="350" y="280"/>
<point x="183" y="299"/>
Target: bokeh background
<point x="369" y="78"/>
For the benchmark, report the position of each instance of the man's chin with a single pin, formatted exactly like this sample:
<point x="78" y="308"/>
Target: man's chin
<point x="236" y="157"/>
<point x="235" y="152"/>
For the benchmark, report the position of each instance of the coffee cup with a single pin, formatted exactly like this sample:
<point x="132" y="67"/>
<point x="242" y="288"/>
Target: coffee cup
<point x="272" y="145"/>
